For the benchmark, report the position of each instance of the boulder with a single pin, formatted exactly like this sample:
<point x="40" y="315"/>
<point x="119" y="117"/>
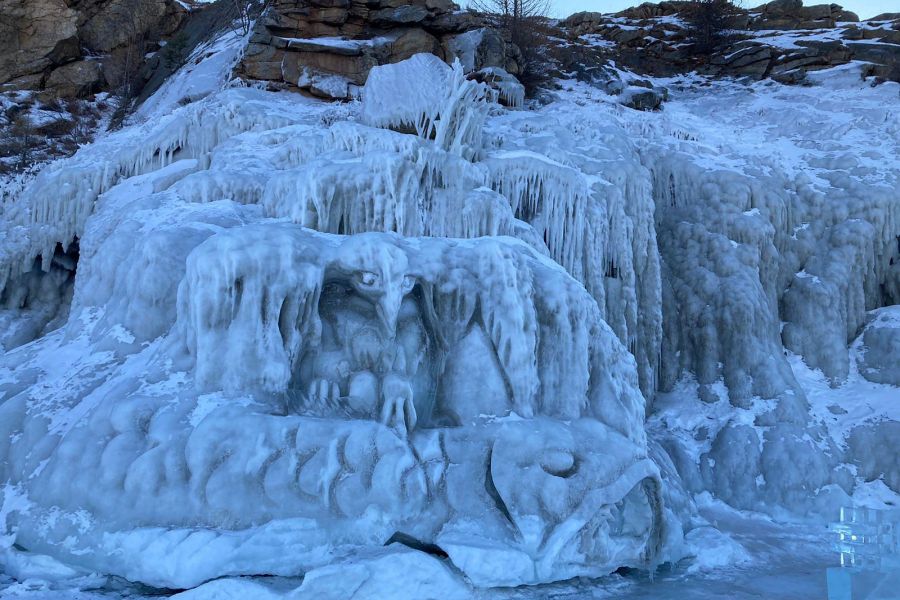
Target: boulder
<point x="413" y="41"/>
<point x="751" y="60"/>
<point x="788" y="76"/>
<point x="121" y="22"/>
<point x="649" y="10"/>
<point x="782" y="7"/>
<point x="846" y="16"/>
<point x="579" y="19"/>
<point x="641" y="98"/>
<point x="263" y="62"/>
<point x="25" y="82"/>
<point x="405" y="14"/>
<point x="881" y="54"/>
<point x="77" y="79"/>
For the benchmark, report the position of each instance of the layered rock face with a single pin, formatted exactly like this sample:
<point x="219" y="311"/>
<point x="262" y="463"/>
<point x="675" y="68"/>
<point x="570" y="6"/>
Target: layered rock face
<point x="782" y="40"/>
<point x="78" y="46"/>
<point x="328" y="47"/>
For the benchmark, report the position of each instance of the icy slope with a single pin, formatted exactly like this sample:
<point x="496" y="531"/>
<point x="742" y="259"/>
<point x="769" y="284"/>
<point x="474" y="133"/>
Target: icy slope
<point x="297" y="330"/>
<point x="235" y="393"/>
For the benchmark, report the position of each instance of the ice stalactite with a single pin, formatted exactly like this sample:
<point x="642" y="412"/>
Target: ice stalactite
<point x="252" y="307"/>
<point x="55" y="207"/>
<point x="804" y="245"/>
<point x="601" y="232"/>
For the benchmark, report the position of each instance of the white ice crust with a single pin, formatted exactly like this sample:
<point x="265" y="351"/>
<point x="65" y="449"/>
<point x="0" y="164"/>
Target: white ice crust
<point x="290" y="342"/>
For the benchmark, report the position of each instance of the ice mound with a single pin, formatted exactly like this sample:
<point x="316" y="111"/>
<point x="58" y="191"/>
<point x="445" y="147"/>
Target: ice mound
<point x="276" y="358"/>
<point x="880" y="361"/>
<point x="172" y="466"/>
<point x="425" y="96"/>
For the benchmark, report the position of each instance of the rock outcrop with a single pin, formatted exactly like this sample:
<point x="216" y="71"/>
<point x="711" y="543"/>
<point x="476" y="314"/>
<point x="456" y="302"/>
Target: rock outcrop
<point x="328" y="47"/>
<point x="75" y="47"/>
<point x="791" y="14"/>
<point x="782" y="40"/>
<point x="35" y="35"/>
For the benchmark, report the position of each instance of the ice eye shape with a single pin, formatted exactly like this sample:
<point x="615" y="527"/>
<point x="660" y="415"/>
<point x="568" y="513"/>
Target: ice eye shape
<point x="408" y="283"/>
<point x="367" y="278"/>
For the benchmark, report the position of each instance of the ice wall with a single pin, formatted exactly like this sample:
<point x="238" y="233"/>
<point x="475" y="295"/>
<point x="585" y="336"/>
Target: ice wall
<point x="236" y="393"/>
<point x="293" y="324"/>
<point x="767" y="252"/>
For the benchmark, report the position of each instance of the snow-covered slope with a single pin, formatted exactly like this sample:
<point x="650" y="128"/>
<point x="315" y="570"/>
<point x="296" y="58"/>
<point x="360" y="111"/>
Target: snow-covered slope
<point x="299" y="331"/>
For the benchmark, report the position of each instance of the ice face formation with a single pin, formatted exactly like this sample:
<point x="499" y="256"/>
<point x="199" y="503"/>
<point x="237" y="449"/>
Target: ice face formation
<point x="246" y="381"/>
<point x="263" y="335"/>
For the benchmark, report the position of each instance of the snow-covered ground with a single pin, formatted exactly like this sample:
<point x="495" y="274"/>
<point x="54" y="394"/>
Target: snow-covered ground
<point x="760" y="196"/>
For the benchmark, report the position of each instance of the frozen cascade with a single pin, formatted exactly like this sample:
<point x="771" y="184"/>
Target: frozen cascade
<point x="762" y="255"/>
<point x="274" y="357"/>
<point x="56" y="206"/>
<point x="229" y="381"/>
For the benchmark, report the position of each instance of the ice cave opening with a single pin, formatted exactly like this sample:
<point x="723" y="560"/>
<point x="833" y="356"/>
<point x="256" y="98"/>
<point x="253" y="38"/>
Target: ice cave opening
<point x="37" y="301"/>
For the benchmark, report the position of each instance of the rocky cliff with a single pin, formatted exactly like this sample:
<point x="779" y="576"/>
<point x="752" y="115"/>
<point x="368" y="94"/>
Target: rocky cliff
<point x="328" y="47"/>
<point x="75" y="47"/>
<point x="782" y="40"/>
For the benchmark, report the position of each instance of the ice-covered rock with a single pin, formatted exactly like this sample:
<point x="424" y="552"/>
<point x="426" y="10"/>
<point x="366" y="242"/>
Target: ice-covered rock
<point x="354" y="357"/>
<point x="880" y="360"/>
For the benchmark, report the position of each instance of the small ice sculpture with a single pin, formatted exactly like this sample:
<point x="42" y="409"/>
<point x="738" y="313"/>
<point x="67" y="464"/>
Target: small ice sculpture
<point x="868" y="541"/>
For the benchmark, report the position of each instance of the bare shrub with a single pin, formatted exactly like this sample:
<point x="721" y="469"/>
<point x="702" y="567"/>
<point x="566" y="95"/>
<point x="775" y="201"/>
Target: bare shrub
<point x="708" y="25"/>
<point x="23" y="138"/>
<point x="243" y="13"/>
<point x="525" y="24"/>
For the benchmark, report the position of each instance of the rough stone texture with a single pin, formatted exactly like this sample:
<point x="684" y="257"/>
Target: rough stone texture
<point x="327" y="47"/>
<point x="791" y="14"/>
<point x="644" y="99"/>
<point x="118" y="22"/>
<point x="76" y="79"/>
<point x="39" y="38"/>
<point x="645" y="43"/>
<point x="34" y="34"/>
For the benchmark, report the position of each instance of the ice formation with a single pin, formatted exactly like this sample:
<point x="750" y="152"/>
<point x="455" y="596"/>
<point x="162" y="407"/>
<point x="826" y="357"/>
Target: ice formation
<point x="246" y="382"/>
<point x="262" y="335"/>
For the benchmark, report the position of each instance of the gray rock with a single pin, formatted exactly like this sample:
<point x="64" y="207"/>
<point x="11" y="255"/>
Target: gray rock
<point x="30" y="34"/>
<point x="76" y="79"/>
<point x="640" y="98"/>
<point x="402" y="14"/>
<point x="789" y="77"/>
